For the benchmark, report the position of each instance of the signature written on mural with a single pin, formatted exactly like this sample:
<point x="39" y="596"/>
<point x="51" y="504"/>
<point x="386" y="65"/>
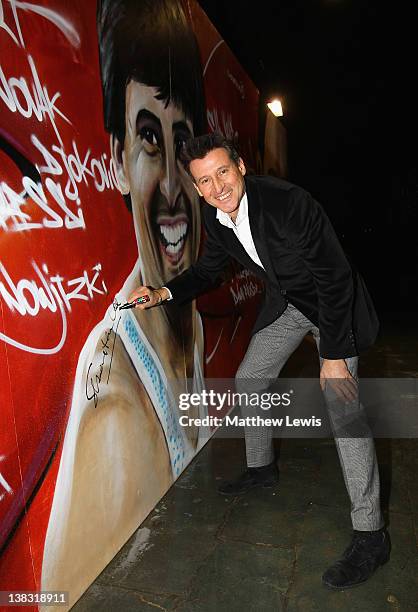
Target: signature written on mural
<point x="245" y="285"/>
<point x="105" y="357"/>
<point x="29" y="296"/>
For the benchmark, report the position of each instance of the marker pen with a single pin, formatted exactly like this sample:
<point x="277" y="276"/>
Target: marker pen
<point x="141" y="300"/>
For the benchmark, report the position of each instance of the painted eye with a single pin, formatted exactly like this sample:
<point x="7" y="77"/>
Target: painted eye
<point x="179" y="144"/>
<point x="149" y="135"/>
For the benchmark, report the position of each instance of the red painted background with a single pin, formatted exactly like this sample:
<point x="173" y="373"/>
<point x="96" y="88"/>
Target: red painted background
<point x="51" y="115"/>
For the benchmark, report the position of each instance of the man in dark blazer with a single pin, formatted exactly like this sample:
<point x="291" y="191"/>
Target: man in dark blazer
<point x="282" y="234"/>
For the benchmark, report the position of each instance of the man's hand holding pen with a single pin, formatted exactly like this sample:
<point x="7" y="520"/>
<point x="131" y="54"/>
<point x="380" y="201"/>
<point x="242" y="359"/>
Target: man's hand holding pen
<point x="156" y="297"/>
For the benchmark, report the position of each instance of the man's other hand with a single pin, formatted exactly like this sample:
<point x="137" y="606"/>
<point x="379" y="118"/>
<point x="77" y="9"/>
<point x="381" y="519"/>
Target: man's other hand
<point x="156" y="296"/>
<point x="334" y="372"/>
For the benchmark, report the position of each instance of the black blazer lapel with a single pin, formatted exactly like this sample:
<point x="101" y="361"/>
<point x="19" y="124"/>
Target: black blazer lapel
<point x="255" y="213"/>
<point x="237" y="251"/>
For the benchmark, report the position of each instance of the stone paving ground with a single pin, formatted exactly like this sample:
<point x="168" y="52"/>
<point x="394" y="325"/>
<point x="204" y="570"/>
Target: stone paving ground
<point x="265" y="551"/>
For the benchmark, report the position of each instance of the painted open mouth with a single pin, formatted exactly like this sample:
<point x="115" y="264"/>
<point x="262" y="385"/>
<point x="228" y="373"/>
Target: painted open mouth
<point x="172" y="235"/>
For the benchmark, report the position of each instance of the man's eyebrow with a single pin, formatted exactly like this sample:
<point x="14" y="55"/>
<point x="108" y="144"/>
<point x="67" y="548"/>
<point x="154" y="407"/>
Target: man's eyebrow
<point x="181" y="126"/>
<point x="146" y="114"/>
<point x="217" y="170"/>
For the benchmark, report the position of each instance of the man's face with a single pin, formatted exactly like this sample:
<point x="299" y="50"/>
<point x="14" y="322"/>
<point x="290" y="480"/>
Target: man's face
<point x="164" y="204"/>
<point x="219" y="180"/>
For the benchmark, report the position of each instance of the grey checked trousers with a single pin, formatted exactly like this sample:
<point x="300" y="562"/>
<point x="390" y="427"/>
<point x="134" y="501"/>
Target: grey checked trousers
<point x="268" y="351"/>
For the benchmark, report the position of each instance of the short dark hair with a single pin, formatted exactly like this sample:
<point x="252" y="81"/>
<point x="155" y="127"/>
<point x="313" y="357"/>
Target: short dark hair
<point x="200" y="146"/>
<point x="151" y="42"/>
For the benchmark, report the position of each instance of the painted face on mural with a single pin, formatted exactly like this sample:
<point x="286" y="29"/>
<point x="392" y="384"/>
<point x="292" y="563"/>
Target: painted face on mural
<point x="164" y="203"/>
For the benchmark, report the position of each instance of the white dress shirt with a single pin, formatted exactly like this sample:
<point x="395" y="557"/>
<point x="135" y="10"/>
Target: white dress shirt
<point x="241" y="228"/>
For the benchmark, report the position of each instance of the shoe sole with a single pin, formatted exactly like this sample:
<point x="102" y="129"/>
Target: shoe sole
<point x="352" y="586"/>
<point x="256" y="486"/>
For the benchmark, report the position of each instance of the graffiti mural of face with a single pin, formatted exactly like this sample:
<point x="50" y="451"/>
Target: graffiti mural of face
<point x="164" y="205"/>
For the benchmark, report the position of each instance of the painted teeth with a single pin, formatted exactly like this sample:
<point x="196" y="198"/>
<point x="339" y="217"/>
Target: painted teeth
<point x="173" y="249"/>
<point x="173" y="235"/>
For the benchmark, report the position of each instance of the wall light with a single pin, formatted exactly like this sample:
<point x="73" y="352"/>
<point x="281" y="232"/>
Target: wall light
<point x="276" y="107"/>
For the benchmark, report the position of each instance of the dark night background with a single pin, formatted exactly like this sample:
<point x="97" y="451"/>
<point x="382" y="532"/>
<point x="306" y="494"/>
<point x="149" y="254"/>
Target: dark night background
<point x="345" y="72"/>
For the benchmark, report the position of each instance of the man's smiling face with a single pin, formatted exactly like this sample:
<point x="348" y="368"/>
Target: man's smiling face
<point x="164" y="204"/>
<point x="219" y="180"/>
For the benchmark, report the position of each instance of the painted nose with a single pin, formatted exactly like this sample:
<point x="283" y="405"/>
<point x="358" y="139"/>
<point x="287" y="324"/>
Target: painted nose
<point x="170" y="181"/>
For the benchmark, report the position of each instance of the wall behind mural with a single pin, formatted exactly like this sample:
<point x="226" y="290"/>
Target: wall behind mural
<point x="96" y="101"/>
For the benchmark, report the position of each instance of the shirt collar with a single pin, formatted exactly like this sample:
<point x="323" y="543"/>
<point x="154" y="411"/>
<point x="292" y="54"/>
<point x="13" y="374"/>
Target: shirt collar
<point x="242" y="215"/>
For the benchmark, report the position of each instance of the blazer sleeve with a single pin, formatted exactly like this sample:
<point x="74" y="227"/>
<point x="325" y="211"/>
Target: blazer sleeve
<point x="202" y="275"/>
<point x="316" y="241"/>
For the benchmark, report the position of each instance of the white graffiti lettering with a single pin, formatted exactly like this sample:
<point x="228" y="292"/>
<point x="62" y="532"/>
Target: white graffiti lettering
<point x="78" y="170"/>
<point x="60" y="22"/>
<point x="4" y="484"/>
<point x="238" y="84"/>
<point x="6" y="28"/>
<point x="57" y="163"/>
<point x="30" y="99"/>
<point x="53" y="293"/>
<point x="244" y="286"/>
<point x="244" y="292"/>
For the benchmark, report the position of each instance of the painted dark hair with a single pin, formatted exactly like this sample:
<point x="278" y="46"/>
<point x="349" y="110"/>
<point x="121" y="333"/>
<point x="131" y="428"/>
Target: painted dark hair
<point x="200" y="146"/>
<point x="151" y="42"/>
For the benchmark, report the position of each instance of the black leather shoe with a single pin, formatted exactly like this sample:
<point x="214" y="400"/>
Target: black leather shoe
<point x="367" y="551"/>
<point x="265" y="476"/>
